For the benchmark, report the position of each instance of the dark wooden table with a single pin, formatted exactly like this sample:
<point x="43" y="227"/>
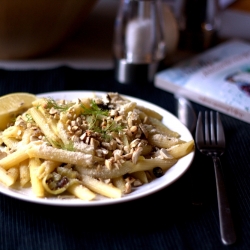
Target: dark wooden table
<point x="181" y="216"/>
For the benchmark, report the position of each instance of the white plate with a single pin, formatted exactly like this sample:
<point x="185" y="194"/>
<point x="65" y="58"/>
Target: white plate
<point x="168" y="178"/>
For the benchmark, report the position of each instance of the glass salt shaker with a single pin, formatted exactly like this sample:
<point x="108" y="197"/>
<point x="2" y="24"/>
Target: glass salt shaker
<point x="139" y="43"/>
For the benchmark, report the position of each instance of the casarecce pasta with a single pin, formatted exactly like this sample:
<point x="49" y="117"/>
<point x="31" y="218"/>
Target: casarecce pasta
<point x="87" y="147"/>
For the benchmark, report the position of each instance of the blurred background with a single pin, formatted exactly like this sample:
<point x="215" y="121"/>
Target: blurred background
<point x="80" y="33"/>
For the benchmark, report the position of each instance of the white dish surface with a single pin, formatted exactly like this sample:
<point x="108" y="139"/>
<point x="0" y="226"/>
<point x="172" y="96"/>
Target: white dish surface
<point x="168" y="178"/>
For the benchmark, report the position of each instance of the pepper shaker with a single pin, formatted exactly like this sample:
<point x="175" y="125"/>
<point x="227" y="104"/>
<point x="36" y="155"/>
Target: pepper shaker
<point x="139" y="43"/>
<point x="199" y="22"/>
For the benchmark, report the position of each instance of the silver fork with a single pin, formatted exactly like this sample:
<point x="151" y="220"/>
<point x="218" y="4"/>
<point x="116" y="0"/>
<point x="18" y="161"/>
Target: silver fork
<point x="211" y="142"/>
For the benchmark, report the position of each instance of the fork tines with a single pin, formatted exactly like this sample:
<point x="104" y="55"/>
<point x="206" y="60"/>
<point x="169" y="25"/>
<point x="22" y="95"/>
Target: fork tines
<point x="213" y="133"/>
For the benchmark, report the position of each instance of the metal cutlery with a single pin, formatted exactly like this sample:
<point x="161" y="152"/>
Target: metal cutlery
<point x="211" y="142"/>
<point x="185" y="112"/>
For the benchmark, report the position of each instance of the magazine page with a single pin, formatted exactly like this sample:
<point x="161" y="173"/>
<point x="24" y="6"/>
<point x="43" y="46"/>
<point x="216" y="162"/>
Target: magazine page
<point x="181" y="72"/>
<point x="218" y="78"/>
<point x="227" y="81"/>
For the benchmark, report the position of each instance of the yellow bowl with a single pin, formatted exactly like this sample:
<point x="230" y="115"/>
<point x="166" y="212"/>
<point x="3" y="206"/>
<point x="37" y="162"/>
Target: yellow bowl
<point x="31" y="28"/>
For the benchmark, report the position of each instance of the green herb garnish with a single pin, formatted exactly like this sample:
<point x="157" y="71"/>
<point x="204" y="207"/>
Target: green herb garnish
<point x="94" y="110"/>
<point x="53" y="104"/>
<point x="69" y="147"/>
<point x="96" y="116"/>
<point x="29" y="118"/>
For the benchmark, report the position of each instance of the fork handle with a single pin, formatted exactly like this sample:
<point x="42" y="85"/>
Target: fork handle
<point x="227" y="230"/>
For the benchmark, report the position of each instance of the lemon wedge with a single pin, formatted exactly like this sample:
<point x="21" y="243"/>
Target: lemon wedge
<point x="12" y="105"/>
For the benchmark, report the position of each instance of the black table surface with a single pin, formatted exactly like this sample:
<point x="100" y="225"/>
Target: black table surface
<point x="182" y="216"/>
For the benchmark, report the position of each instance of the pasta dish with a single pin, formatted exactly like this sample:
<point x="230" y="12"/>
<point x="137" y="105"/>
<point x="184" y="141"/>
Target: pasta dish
<point x="87" y="147"/>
